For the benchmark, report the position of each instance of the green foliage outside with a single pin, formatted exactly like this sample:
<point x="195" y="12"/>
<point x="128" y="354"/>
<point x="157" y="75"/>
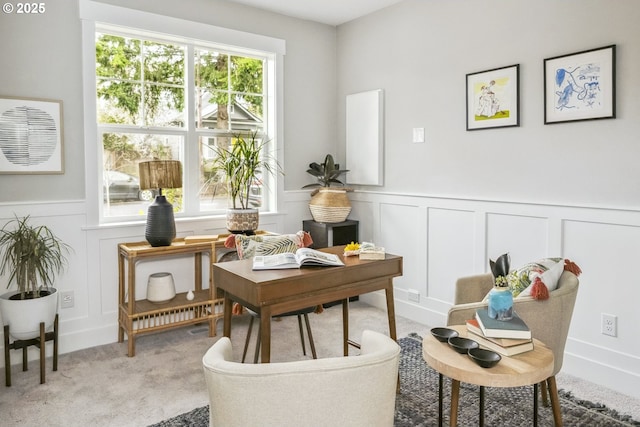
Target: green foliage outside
<point x="142" y="83"/>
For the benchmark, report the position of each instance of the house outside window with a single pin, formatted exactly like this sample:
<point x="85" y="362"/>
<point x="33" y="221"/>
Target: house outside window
<point x="168" y="97"/>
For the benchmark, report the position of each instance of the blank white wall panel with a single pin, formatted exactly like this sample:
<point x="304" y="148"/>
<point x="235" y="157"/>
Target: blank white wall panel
<point x="365" y="136"/>
<point x="451" y="248"/>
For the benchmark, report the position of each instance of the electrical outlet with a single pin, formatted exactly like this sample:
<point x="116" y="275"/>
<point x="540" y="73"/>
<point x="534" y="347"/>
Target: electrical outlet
<point x="609" y="325"/>
<point x="413" y="295"/>
<point x="66" y="299"/>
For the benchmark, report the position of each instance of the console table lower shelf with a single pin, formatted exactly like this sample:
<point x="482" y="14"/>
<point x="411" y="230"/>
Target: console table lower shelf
<point x="142" y="316"/>
<point x="152" y="317"/>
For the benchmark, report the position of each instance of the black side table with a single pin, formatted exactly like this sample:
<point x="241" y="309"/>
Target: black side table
<point x="325" y="235"/>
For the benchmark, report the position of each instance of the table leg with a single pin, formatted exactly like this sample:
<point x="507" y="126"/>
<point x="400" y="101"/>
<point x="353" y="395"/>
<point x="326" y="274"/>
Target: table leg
<point x="481" y="418"/>
<point x="227" y="316"/>
<point x="131" y="344"/>
<point x="120" y="296"/>
<point x="535" y="405"/>
<point x="391" y="311"/>
<point x="131" y="303"/>
<point x="440" y="381"/>
<point x="265" y="334"/>
<point x="345" y="326"/>
<point x="455" y="395"/>
<point x="555" y="402"/>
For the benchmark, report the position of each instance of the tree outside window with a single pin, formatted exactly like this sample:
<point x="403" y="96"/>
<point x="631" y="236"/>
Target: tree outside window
<point x="143" y="86"/>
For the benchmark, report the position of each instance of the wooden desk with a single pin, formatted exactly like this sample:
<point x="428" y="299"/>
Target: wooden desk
<point x="272" y="292"/>
<point x="527" y="368"/>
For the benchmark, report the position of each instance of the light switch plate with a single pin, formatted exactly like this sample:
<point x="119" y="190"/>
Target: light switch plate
<point x="418" y="134"/>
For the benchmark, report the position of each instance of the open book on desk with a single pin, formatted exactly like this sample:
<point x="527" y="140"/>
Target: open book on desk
<point x="302" y="257"/>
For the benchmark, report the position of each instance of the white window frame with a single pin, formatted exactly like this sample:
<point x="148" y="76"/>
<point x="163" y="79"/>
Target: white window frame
<point x="95" y="15"/>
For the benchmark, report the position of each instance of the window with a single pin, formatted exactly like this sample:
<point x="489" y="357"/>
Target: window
<point x="169" y="97"/>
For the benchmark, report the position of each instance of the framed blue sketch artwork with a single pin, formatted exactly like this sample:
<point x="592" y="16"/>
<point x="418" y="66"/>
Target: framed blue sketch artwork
<point x="580" y="86"/>
<point x="493" y="98"/>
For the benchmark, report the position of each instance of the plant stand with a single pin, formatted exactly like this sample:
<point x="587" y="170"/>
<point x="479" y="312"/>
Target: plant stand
<point x="24" y="344"/>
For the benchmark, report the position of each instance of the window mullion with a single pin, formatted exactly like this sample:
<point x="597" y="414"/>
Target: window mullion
<point x="192" y="151"/>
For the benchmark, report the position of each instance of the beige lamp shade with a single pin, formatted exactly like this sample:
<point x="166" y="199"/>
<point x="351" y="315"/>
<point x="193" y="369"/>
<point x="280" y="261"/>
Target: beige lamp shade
<point x="160" y="174"/>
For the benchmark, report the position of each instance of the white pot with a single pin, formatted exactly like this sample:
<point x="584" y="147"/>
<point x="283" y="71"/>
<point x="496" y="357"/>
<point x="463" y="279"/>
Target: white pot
<point x="24" y="316"/>
<point x="161" y="288"/>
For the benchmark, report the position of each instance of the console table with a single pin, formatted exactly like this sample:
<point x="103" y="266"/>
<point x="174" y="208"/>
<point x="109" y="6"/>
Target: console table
<point x="142" y="316"/>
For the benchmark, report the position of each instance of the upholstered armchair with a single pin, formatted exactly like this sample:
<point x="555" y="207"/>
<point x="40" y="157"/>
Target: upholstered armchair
<point x="338" y="391"/>
<point x="549" y="319"/>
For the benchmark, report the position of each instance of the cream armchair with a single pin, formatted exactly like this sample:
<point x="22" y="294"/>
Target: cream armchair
<point x="549" y="320"/>
<point x="339" y="391"/>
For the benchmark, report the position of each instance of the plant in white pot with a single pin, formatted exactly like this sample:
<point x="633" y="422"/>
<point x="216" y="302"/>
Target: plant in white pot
<point x="32" y="256"/>
<point x="241" y="165"/>
<point x="328" y="204"/>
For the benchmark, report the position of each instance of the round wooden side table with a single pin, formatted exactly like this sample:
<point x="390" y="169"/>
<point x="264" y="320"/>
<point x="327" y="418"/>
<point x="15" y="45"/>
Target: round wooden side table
<point x="527" y="368"/>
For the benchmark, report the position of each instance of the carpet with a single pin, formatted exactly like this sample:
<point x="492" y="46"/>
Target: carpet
<point x="417" y="403"/>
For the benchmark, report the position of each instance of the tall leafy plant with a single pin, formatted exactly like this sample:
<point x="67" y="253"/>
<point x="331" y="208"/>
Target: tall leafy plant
<point x="241" y="165"/>
<point x="31" y="255"/>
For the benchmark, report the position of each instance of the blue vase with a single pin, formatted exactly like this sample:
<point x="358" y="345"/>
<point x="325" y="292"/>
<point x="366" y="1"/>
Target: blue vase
<point x="500" y="303"/>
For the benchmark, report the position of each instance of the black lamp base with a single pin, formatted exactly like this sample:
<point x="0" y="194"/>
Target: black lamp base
<point x="161" y="226"/>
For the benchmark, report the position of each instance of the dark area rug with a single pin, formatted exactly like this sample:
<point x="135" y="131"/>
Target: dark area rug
<point x="417" y="403"/>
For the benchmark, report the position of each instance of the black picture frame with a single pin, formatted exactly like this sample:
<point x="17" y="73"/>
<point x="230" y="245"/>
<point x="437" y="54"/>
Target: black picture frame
<point x="493" y="98"/>
<point x="580" y="86"/>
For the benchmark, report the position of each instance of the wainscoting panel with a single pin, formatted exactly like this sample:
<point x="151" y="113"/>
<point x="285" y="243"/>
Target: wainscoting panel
<point x="451" y="250"/>
<point x="448" y="238"/>
<point x="523" y="237"/>
<point x="401" y="228"/>
<point x="440" y="240"/>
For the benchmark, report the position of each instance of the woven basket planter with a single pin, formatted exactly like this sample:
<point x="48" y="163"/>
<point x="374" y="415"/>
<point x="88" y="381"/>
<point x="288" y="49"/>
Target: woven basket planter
<point x="242" y="220"/>
<point x="330" y="205"/>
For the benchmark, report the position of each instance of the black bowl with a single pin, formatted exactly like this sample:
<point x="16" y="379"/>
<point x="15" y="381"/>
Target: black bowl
<point x="462" y="345"/>
<point x="484" y="358"/>
<point x="443" y="334"/>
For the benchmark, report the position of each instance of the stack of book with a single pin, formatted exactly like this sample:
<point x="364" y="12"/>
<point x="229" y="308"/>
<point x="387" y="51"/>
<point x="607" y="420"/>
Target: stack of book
<point x="506" y="337"/>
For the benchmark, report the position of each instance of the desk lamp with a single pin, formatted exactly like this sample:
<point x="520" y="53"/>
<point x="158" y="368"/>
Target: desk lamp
<point x="159" y="174"/>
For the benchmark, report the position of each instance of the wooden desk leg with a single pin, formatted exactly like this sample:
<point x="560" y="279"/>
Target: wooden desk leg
<point x="555" y="401"/>
<point x="455" y="395"/>
<point x="227" y="316"/>
<point x="265" y="334"/>
<point x="345" y="326"/>
<point x="481" y="415"/>
<point x="391" y="311"/>
<point x="440" y="381"/>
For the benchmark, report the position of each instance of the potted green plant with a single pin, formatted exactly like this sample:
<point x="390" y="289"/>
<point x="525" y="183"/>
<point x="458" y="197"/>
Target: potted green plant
<point x="328" y="205"/>
<point x="241" y="165"/>
<point x="32" y="256"/>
